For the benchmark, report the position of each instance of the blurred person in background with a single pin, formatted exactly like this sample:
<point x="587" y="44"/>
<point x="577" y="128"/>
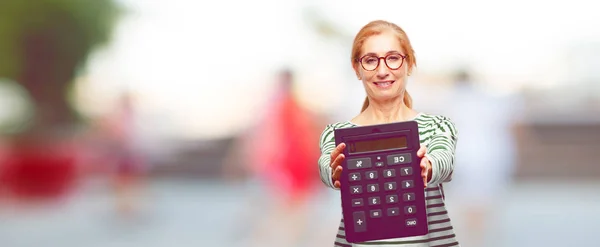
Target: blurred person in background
<point x="383" y="58"/>
<point x="485" y="158"/>
<point x="122" y="150"/>
<point x="278" y="153"/>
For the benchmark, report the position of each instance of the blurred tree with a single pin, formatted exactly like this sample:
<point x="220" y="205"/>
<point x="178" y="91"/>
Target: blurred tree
<point x="325" y="27"/>
<point x="43" y="44"/>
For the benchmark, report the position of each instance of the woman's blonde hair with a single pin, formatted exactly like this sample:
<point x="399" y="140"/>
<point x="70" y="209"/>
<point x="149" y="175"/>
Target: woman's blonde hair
<point x="375" y="28"/>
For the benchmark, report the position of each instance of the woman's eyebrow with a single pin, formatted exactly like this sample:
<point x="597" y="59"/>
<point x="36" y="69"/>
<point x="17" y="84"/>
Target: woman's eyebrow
<point x="393" y="52"/>
<point x="389" y="52"/>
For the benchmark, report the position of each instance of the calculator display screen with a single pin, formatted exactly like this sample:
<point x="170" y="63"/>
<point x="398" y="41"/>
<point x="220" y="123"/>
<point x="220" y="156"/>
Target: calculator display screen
<point x="397" y="142"/>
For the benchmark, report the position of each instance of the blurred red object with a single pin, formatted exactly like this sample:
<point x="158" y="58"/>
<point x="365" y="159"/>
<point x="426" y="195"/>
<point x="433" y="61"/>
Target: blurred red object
<point x="39" y="171"/>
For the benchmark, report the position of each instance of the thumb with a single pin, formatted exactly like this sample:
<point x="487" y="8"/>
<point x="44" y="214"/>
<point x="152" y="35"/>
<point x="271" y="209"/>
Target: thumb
<point x="424" y="166"/>
<point x="421" y="150"/>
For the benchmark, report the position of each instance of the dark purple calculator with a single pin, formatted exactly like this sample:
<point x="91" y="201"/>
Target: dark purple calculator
<point x="383" y="195"/>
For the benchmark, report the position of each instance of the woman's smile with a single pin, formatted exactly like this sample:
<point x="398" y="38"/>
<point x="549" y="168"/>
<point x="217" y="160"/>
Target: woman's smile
<point x="384" y="84"/>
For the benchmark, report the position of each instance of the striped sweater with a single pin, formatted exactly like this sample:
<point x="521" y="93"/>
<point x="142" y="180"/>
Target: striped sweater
<point x="439" y="135"/>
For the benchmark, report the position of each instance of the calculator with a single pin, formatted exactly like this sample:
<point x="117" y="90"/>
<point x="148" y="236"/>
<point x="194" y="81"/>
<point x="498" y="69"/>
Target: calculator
<point x="382" y="191"/>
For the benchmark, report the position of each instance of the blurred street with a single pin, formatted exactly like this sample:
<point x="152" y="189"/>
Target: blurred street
<point x="187" y="213"/>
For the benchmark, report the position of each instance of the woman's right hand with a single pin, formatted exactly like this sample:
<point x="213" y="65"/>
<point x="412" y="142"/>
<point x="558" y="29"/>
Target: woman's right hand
<point x="335" y="163"/>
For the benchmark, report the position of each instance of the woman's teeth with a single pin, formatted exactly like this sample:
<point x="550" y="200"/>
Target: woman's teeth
<point x="383" y="84"/>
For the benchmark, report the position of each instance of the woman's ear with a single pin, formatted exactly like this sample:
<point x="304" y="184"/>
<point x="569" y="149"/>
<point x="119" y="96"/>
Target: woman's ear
<point x="409" y="70"/>
<point x="357" y="71"/>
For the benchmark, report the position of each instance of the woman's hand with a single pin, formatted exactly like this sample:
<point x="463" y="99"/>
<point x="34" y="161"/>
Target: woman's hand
<point x="335" y="163"/>
<point x="425" y="165"/>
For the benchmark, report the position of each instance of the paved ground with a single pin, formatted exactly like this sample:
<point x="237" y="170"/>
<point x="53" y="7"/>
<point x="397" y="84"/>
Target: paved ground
<point x="180" y="213"/>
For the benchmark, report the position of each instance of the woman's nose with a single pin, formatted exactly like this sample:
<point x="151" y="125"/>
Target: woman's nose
<point x="382" y="69"/>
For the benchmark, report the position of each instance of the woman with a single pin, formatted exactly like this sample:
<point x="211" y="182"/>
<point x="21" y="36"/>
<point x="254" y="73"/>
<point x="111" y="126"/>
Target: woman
<point x="287" y="129"/>
<point x="382" y="58"/>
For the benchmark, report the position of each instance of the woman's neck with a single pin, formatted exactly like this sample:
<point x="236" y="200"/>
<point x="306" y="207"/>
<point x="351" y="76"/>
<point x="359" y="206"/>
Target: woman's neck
<point x="378" y="113"/>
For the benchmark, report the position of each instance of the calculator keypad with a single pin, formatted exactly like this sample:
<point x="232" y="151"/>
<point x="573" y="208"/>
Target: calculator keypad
<point x="360" y="224"/>
<point x="389" y="173"/>
<point x="393" y="178"/>
<point x="376" y="213"/>
<point x="393" y="211"/>
<point x="356" y="189"/>
<point x="371" y="188"/>
<point x="398" y="159"/>
<point x="357" y="202"/>
<point x="408" y="197"/>
<point x="390" y="186"/>
<point x="360" y="163"/>
<point x="408" y="184"/>
<point x="370" y="175"/>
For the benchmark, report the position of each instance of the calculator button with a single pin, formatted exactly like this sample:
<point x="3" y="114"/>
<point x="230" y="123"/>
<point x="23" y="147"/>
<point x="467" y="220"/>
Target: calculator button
<point x="359" y="163"/>
<point x="376" y="213"/>
<point x="393" y="211"/>
<point x="371" y="175"/>
<point x="410" y="209"/>
<point x="406" y="171"/>
<point x="379" y="164"/>
<point x="354" y="176"/>
<point x="391" y="199"/>
<point x="374" y="200"/>
<point x="390" y="186"/>
<point x="398" y="159"/>
<point x="373" y="188"/>
<point x="355" y="189"/>
<point x="407" y="184"/>
<point x="357" y="202"/>
<point x="389" y="173"/>
<point x="408" y="197"/>
<point x="411" y="222"/>
<point x="360" y="224"/>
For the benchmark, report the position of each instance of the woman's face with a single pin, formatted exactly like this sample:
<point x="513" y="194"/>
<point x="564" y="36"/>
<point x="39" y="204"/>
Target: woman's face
<point x="383" y="83"/>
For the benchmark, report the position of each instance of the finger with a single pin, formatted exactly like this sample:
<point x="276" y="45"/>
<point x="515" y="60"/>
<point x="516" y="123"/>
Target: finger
<point x="424" y="171"/>
<point x="422" y="151"/>
<point x="338" y="161"/>
<point x="424" y="176"/>
<point x="337" y="173"/>
<point x="337" y="184"/>
<point x="338" y="150"/>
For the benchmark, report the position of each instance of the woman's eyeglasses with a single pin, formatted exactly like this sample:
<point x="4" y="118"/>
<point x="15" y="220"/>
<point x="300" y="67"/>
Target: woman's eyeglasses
<point x="392" y="61"/>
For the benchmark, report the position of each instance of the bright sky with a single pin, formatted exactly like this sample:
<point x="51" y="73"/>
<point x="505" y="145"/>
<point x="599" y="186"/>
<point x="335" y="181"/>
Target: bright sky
<point x="203" y="69"/>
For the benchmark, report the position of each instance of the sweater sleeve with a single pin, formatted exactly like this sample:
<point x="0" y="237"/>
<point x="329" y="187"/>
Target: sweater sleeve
<point x="327" y="145"/>
<point x="441" y="150"/>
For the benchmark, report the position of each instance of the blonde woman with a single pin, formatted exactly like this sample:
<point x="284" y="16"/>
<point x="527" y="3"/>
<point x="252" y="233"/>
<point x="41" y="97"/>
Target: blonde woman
<point x="382" y="57"/>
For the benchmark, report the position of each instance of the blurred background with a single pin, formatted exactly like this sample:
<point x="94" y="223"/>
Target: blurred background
<point x="153" y="123"/>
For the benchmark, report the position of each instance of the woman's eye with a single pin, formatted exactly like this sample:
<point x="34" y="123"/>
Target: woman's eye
<point x="371" y="60"/>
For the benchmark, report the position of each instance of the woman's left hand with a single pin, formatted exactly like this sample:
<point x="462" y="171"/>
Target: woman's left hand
<point x="425" y="165"/>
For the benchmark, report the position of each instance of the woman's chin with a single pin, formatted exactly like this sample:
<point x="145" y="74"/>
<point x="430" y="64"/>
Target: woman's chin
<point x="385" y="96"/>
